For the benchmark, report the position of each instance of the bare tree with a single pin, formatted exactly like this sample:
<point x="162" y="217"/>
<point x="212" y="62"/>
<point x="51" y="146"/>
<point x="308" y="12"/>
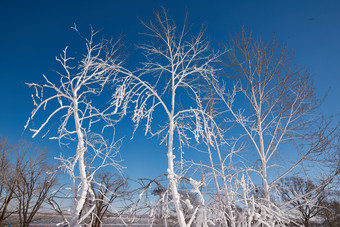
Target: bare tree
<point x="270" y="102"/>
<point x="71" y="105"/>
<point x="170" y="84"/>
<point x="107" y="188"/>
<point x="8" y="179"/>
<point x="303" y="196"/>
<point x="331" y="209"/>
<point x="36" y="178"/>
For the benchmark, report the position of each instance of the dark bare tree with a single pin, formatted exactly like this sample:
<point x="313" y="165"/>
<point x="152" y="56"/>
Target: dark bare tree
<point x="107" y="188"/>
<point x="331" y="210"/>
<point x="35" y="181"/>
<point x="304" y="196"/>
<point x="8" y="179"/>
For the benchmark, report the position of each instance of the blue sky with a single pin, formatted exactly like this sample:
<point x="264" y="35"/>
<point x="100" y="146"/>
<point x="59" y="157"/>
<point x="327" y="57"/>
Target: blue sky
<point x="34" y="32"/>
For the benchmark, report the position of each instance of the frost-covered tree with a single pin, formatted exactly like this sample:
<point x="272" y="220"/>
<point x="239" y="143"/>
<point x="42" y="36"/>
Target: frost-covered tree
<point x="170" y="85"/>
<point x="73" y="105"/>
<point x="270" y="104"/>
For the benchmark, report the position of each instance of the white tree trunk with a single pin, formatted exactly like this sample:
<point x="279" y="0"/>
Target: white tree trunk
<point x="172" y="177"/>
<point x="80" y="200"/>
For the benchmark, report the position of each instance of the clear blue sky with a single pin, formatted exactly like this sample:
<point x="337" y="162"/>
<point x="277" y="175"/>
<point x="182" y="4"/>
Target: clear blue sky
<point x="34" y="32"/>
